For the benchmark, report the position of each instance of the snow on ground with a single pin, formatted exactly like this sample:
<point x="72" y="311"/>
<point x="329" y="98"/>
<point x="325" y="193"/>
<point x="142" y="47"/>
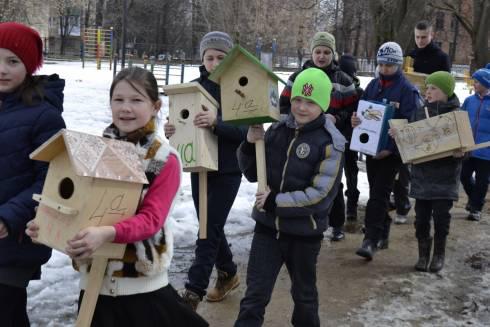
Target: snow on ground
<point x="53" y="300"/>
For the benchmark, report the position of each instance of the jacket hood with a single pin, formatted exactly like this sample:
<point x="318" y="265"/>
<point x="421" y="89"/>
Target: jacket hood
<point x="53" y="90"/>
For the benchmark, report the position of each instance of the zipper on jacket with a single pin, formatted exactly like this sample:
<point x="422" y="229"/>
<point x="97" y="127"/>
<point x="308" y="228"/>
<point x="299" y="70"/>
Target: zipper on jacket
<point x="296" y="132"/>
<point x="313" y="222"/>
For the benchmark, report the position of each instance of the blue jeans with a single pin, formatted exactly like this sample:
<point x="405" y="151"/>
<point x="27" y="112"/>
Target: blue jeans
<point x="214" y="250"/>
<point x="475" y="187"/>
<point x="267" y="256"/>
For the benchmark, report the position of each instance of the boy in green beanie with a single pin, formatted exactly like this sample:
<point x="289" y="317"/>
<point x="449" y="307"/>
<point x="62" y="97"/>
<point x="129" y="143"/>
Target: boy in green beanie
<point x="304" y="156"/>
<point x="435" y="184"/>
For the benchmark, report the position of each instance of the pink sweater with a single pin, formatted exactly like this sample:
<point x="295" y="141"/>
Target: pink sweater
<point x="155" y="207"/>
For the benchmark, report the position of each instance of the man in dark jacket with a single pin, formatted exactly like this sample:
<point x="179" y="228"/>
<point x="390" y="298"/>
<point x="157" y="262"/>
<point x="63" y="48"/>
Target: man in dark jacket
<point x="427" y="56"/>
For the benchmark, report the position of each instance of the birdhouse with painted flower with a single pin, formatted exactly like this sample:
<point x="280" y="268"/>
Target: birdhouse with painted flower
<point x="198" y="147"/>
<point x="91" y="181"/>
<point x="249" y="91"/>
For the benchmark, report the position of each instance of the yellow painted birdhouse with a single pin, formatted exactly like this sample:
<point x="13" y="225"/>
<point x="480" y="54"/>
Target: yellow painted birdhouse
<point x="249" y="92"/>
<point x="198" y="147"/>
<point x="91" y="181"/>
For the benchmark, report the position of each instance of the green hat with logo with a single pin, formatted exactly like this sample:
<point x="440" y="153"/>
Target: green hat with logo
<point x="443" y="80"/>
<point x="313" y="84"/>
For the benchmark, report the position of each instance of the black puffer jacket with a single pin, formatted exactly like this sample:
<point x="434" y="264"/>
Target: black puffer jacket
<point x="304" y="169"/>
<point x="229" y="136"/>
<point x="430" y="59"/>
<point x="437" y="179"/>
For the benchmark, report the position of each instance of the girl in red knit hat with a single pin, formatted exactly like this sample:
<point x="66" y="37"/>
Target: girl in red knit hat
<point x="30" y="113"/>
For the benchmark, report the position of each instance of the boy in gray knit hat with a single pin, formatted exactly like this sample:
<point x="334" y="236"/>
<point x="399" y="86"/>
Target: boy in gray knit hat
<point x="215" y="40"/>
<point x="223" y="185"/>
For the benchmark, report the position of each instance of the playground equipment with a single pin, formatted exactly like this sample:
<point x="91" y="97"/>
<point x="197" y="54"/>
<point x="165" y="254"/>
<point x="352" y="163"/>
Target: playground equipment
<point x="97" y="43"/>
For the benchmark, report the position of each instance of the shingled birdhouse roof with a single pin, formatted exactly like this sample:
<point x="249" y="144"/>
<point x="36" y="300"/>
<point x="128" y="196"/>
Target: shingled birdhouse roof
<point x="94" y="156"/>
<point x="230" y="58"/>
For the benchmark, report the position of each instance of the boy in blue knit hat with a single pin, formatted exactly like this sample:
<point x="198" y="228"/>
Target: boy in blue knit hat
<point x="478" y="108"/>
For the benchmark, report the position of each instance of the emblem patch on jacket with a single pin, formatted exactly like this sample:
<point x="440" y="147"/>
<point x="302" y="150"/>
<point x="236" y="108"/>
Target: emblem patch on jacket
<point x="303" y="150"/>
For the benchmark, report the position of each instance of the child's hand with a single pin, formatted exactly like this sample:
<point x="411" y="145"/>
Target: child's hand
<point x="32" y="230"/>
<point x="3" y="230"/>
<point x="88" y="240"/>
<point x="205" y="118"/>
<point x="255" y="133"/>
<point x="354" y="120"/>
<point x="382" y="154"/>
<point x="169" y="129"/>
<point x="458" y="154"/>
<point x="392" y="132"/>
<point x="260" y="198"/>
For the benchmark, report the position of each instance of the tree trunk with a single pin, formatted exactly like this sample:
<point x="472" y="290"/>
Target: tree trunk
<point x="481" y="26"/>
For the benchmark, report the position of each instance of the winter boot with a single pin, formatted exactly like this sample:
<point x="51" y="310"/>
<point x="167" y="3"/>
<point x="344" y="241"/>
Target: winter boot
<point x="224" y="285"/>
<point x="191" y="298"/>
<point x="425" y="246"/>
<point x="383" y="243"/>
<point x="438" y="256"/>
<point x="367" y="249"/>
<point x="337" y="234"/>
<point x="351" y="212"/>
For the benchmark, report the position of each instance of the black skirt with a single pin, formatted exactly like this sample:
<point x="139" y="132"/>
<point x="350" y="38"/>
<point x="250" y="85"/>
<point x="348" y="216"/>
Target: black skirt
<point x="162" y="308"/>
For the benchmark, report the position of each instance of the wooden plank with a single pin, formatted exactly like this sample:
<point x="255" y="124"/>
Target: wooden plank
<point x="89" y="301"/>
<point x="261" y="165"/>
<point x="203" y="205"/>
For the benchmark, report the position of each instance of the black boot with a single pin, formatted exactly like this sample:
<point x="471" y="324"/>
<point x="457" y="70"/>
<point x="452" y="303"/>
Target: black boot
<point x="367" y="249"/>
<point x="425" y="246"/>
<point x="438" y="256"/>
<point x="383" y="243"/>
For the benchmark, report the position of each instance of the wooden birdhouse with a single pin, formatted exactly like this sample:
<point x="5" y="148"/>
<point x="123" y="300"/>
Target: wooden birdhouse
<point x="249" y="93"/>
<point x="198" y="147"/>
<point x="418" y="80"/>
<point x="91" y="181"/>
<point x="434" y="137"/>
<point x="371" y="134"/>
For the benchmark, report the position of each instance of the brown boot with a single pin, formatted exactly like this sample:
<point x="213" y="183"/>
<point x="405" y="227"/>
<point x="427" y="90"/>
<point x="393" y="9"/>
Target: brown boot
<point x="191" y="299"/>
<point x="224" y="285"/>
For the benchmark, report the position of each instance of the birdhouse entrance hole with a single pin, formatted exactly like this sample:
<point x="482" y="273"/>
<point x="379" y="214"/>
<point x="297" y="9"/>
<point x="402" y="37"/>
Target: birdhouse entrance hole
<point x="184" y="113"/>
<point x="243" y="81"/>
<point x="364" y="138"/>
<point x="66" y="188"/>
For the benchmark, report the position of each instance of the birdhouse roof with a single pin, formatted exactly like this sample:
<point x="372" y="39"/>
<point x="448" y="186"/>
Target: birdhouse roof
<point x="230" y="59"/>
<point x="94" y="156"/>
<point x="191" y="87"/>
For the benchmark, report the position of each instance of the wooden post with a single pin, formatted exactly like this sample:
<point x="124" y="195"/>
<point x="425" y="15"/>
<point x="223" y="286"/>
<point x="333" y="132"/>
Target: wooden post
<point x="89" y="301"/>
<point x="203" y="204"/>
<point x="261" y="165"/>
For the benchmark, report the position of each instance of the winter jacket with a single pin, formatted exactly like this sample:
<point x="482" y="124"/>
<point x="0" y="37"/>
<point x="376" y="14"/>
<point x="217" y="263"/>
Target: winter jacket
<point x="304" y="168"/>
<point x="394" y="88"/>
<point x="22" y="130"/>
<point x="343" y="101"/>
<point x="430" y="59"/>
<point x="229" y="136"/>
<point x="437" y="179"/>
<point x="478" y="109"/>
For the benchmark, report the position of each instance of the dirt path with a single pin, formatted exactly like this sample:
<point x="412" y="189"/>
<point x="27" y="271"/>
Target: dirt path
<point x="387" y="291"/>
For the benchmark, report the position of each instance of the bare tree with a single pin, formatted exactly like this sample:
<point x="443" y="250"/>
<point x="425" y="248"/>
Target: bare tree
<point x="67" y="13"/>
<point x="476" y="26"/>
<point x="13" y="10"/>
<point x="394" y="20"/>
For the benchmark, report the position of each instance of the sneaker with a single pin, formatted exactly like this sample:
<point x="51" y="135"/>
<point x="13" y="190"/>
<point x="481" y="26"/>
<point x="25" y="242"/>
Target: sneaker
<point x="401" y="219"/>
<point x="191" y="298"/>
<point x="474" y="215"/>
<point x="224" y="285"/>
<point x="337" y="234"/>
